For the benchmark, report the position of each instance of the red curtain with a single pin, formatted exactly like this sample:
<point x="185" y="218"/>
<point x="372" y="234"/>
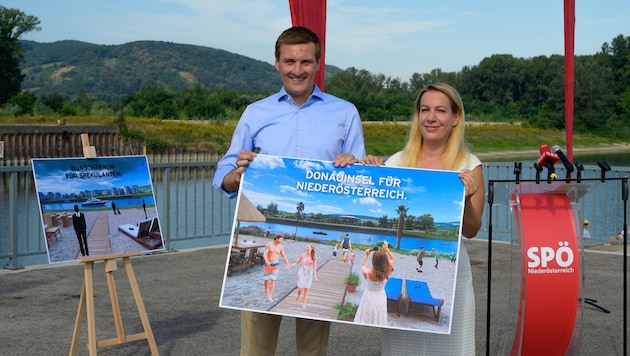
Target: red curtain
<point x="569" y="71"/>
<point x="312" y="14"/>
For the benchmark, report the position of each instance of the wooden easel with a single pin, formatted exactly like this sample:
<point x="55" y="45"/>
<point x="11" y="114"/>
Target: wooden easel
<point x="86" y="303"/>
<point x="88" y="151"/>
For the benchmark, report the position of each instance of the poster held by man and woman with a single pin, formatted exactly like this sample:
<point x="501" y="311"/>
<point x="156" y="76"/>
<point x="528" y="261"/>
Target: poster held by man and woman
<point x="302" y="198"/>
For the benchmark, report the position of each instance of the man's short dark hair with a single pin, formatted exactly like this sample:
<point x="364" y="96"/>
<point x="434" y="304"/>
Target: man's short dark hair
<point x="278" y="236"/>
<point x="299" y="35"/>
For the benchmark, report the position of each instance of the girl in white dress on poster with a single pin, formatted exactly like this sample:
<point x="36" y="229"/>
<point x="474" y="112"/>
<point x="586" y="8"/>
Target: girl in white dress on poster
<point x="373" y="306"/>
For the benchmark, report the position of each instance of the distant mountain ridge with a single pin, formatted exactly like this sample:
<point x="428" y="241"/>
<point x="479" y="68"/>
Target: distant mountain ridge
<point x="110" y="72"/>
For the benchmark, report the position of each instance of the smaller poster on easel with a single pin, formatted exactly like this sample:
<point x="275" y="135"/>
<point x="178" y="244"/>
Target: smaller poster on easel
<point x="96" y="206"/>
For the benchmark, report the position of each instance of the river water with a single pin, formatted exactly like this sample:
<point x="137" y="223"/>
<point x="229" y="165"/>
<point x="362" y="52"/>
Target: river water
<point x="356" y="238"/>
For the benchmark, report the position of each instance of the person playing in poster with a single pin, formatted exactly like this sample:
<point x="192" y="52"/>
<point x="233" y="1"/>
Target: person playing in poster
<point x="373" y="305"/>
<point x="346" y="244"/>
<point x="282" y="124"/>
<point x="307" y="272"/>
<point x="436" y="141"/>
<point x="437" y="258"/>
<point x="273" y="250"/>
<point x="419" y="259"/>
<point x="80" y="228"/>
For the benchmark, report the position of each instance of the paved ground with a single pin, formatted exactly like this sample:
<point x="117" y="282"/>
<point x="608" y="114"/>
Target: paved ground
<point x="181" y="292"/>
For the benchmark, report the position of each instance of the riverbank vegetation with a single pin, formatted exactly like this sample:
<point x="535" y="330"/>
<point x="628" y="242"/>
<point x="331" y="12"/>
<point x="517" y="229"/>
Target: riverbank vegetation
<point x="381" y="138"/>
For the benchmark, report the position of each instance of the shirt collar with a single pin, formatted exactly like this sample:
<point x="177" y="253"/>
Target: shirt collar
<point x="316" y="95"/>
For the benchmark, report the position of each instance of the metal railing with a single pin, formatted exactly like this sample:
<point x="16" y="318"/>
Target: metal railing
<point x="193" y="214"/>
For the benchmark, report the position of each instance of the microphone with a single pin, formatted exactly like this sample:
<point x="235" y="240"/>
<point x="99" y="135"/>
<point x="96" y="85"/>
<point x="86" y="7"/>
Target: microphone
<point x="567" y="164"/>
<point x="548" y="159"/>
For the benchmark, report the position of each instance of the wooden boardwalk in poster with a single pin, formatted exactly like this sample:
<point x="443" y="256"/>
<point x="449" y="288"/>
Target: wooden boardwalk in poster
<point x="98" y="237"/>
<point x="329" y="289"/>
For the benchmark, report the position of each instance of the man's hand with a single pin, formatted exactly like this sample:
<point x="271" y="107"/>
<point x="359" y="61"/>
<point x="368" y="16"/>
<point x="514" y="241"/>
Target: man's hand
<point x="232" y="180"/>
<point x="344" y="159"/>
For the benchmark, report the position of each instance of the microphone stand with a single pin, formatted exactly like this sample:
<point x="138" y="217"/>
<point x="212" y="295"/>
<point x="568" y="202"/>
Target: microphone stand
<point x="604" y="167"/>
<point x="624" y="197"/>
<point x="488" y="300"/>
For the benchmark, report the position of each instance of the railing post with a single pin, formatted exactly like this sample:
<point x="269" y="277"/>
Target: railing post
<point x="13" y="210"/>
<point x="167" y="211"/>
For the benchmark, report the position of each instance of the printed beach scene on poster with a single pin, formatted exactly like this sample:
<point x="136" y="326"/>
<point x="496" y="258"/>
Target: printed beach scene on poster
<point x="303" y="228"/>
<point x="96" y="206"/>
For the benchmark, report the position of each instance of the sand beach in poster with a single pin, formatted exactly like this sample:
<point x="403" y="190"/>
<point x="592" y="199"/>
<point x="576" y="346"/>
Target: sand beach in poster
<point x="110" y="199"/>
<point x="312" y="203"/>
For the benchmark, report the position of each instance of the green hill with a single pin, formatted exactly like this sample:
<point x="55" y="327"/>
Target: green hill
<point x="112" y="71"/>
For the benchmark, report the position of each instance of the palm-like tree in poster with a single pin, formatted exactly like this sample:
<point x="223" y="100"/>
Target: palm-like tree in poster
<point x="299" y="209"/>
<point x="402" y="214"/>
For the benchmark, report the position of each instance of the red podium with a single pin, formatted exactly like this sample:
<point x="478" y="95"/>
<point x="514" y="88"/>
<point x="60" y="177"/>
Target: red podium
<point x="549" y="255"/>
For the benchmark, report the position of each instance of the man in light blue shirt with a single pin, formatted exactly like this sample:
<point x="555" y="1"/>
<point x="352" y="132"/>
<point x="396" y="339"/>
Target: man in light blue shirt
<point x="299" y="121"/>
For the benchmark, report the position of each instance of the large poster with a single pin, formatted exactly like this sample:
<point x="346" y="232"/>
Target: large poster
<point x="96" y="206"/>
<point x="297" y="206"/>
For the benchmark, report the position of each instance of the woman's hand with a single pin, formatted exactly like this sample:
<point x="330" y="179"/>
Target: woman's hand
<point x="470" y="182"/>
<point x="372" y="160"/>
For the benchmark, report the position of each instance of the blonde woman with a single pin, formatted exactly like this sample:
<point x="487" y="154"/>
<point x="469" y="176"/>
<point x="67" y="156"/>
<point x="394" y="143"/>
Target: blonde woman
<point x="436" y="141"/>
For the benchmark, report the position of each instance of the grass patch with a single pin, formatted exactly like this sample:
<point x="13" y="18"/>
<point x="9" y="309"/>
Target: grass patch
<point x="381" y="138"/>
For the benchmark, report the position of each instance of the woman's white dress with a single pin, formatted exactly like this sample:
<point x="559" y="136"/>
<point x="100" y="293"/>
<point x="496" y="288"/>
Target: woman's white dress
<point x="461" y="340"/>
<point x="373" y="306"/>
<point x="305" y="272"/>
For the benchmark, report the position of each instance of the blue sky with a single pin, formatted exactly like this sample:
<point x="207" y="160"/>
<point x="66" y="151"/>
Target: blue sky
<point x="395" y="38"/>
<point x="280" y="180"/>
<point x="57" y="175"/>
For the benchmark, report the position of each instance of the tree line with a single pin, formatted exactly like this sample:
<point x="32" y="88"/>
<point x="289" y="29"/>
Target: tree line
<point x="501" y="88"/>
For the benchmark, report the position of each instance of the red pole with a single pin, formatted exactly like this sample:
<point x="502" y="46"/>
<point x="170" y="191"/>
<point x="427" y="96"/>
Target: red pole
<point x="569" y="72"/>
<point x="312" y="14"/>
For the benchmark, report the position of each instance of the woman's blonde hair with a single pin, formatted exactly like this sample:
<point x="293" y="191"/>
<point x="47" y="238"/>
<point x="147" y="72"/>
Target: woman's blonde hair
<point x="456" y="151"/>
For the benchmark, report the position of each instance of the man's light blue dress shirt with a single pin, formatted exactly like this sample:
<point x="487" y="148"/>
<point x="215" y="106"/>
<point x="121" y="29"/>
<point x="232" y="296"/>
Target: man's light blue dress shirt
<point x="322" y="128"/>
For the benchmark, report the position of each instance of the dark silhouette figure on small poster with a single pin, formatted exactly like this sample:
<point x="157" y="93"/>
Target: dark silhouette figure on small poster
<point x="80" y="228"/>
<point x="115" y="209"/>
<point x="144" y="207"/>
